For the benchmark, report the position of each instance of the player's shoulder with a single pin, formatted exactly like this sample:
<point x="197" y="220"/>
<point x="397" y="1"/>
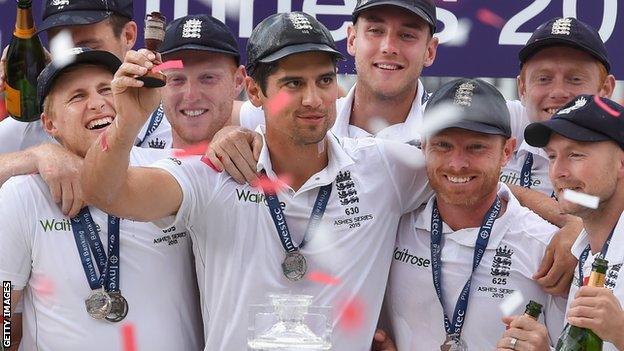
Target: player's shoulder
<point x="27" y="189"/>
<point x="144" y="156"/>
<point x="528" y="227"/>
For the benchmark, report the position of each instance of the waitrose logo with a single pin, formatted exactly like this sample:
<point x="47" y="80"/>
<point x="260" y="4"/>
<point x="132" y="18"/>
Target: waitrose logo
<point x="54" y="224"/>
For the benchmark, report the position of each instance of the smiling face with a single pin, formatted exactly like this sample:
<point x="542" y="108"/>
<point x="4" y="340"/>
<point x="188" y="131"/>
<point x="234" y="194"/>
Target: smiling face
<point x="555" y="75"/>
<point x="592" y="168"/>
<point x="77" y="110"/>
<point x="391" y="46"/>
<point x="198" y="98"/>
<point x="463" y="166"/>
<point x="300" y="98"/>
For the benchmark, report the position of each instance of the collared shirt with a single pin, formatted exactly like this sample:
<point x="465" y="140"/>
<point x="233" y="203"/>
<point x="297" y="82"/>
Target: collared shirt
<point x="239" y="254"/>
<point x="540" y="181"/>
<point x="615" y="256"/>
<point x="517" y="243"/>
<point x="38" y="255"/>
<point x="251" y="117"/>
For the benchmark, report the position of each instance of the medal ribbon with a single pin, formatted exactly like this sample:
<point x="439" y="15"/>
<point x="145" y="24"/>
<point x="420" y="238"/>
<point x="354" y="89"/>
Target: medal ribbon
<point x="88" y="240"/>
<point x="481" y="243"/>
<point x="525" y="173"/>
<point x="155" y="119"/>
<point x="585" y="253"/>
<point x="279" y="219"/>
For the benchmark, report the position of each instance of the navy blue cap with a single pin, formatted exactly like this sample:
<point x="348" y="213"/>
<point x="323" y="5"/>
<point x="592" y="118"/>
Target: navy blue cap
<point x="481" y="106"/>
<point x="47" y="77"/>
<point x="57" y="13"/>
<point x="425" y="9"/>
<point x="588" y="118"/>
<point x="199" y="32"/>
<point x="568" y="32"/>
<point x="284" y="34"/>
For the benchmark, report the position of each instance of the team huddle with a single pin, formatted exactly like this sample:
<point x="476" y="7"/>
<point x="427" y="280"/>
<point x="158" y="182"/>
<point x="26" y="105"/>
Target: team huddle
<point x="424" y="225"/>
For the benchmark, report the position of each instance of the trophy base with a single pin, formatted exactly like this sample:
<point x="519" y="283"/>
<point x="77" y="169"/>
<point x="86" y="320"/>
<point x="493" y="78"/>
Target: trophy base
<point x="288" y="335"/>
<point x="153" y="80"/>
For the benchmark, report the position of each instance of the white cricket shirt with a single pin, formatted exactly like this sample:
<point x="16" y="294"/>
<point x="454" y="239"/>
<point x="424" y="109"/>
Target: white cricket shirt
<point x="615" y="256"/>
<point x="38" y="254"/>
<point x="251" y="117"/>
<point x="239" y="254"/>
<point x="517" y="243"/>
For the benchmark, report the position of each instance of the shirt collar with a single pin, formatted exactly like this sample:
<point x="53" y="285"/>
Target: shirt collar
<point x="525" y="148"/>
<point x="614" y="254"/>
<point x="467" y="236"/>
<point x="338" y="160"/>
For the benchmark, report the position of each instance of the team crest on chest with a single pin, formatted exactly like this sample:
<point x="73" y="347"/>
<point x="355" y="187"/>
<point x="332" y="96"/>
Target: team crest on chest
<point x="346" y="189"/>
<point x="501" y="264"/>
<point x="350" y="201"/>
<point x="612" y="276"/>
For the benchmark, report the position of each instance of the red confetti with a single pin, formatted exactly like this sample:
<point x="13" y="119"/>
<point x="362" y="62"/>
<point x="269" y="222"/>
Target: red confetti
<point x="275" y="105"/>
<point x="104" y="141"/>
<point x="3" y="112"/>
<point x="42" y="286"/>
<point x="605" y="107"/>
<point x="207" y="161"/>
<point x="323" y="278"/>
<point x="272" y="186"/>
<point x="193" y="150"/>
<point x="488" y="17"/>
<point x="171" y="64"/>
<point x="585" y="281"/>
<point x="351" y="315"/>
<point x="127" y="336"/>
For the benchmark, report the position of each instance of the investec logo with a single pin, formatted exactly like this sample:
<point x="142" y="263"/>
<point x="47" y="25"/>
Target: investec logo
<point x="54" y="224"/>
<point x="257" y="198"/>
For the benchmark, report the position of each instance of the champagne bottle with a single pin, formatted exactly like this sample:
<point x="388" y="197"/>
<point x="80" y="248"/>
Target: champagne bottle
<point x="25" y="60"/>
<point x="533" y="309"/>
<point x="574" y="338"/>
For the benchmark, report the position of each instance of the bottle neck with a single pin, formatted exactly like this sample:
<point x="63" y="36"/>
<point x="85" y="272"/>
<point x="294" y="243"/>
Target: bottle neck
<point x="596" y="279"/>
<point x="24" y="24"/>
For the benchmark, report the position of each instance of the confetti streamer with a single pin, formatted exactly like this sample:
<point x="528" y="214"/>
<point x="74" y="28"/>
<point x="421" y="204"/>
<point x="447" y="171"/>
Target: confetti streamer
<point x="488" y="17"/>
<point x="582" y="199"/>
<point x="511" y="303"/>
<point x="275" y="105"/>
<point x="193" y="150"/>
<point x="43" y="286"/>
<point x="269" y="185"/>
<point x="322" y="278"/>
<point x="351" y="315"/>
<point x="171" y="64"/>
<point x="207" y="161"/>
<point x="61" y="49"/>
<point x="439" y="118"/>
<point x="127" y="336"/>
<point x="605" y="107"/>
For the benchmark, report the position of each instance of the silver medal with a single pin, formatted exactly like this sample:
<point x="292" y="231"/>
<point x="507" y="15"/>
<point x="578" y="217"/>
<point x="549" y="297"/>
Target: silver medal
<point x="119" y="307"/>
<point x="453" y="343"/>
<point x="98" y="304"/>
<point x="294" y="266"/>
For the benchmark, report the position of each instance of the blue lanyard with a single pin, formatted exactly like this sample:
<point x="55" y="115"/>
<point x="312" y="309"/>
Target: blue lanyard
<point x="279" y="219"/>
<point x="87" y="241"/>
<point x="585" y="253"/>
<point x="525" y="174"/>
<point x="461" y="307"/>
<point x="156" y="118"/>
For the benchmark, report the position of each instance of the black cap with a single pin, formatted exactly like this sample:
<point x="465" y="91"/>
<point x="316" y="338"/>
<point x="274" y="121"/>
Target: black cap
<point x="58" y="13"/>
<point x="569" y="32"/>
<point x="425" y="9"/>
<point x="46" y="78"/>
<point x="199" y="32"/>
<point x="587" y="118"/>
<point x="283" y="34"/>
<point x="482" y="107"/>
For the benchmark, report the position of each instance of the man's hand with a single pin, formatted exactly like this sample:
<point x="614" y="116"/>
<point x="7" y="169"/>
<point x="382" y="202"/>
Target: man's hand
<point x="236" y="150"/>
<point x="60" y="169"/>
<point x="529" y="335"/>
<point x="557" y="268"/>
<point x="599" y="310"/>
<point x="382" y="341"/>
<point x="133" y="103"/>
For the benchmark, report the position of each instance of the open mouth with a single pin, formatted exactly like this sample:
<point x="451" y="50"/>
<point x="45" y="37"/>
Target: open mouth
<point x="388" y="66"/>
<point x="551" y="110"/>
<point x="459" y="180"/>
<point x="193" y="113"/>
<point x="99" y="123"/>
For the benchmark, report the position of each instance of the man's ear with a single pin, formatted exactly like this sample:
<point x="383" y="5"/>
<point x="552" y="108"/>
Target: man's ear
<point x="129" y="35"/>
<point x="254" y="93"/>
<point x="48" y="125"/>
<point x="351" y="31"/>
<point x="239" y="80"/>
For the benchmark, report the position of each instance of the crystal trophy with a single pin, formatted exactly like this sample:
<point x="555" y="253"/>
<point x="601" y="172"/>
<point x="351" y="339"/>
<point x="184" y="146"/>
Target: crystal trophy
<point x="290" y="323"/>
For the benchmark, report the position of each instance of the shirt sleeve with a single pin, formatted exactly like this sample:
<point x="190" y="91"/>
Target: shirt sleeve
<point x="251" y="116"/>
<point x="519" y="119"/>
<point x="17" y="136"/>
<point x="15" y="234"/>
<point x="198" y="182"/>
<point x="405" y="165"/>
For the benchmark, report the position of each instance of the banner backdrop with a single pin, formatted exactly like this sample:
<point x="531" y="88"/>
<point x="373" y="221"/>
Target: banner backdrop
<point x="480" y="38"/>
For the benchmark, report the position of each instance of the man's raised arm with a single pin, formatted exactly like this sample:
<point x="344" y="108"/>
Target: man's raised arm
<point x="138" y="193"/>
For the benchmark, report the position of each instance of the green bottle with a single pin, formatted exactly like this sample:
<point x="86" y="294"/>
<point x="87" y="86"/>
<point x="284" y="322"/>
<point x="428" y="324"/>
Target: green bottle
<point x="533" y="309"/>
<point x="25" y="60"/>
<point x="581" y="339"/>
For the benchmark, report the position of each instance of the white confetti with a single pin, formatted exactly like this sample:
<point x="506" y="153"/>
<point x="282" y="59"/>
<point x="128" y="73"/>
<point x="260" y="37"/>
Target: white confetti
<point x="582" y="199"/>
<point x="376" y="124"/>
<point x="511" y="303"/>
<point x="60" y="49"/>
<point x="438" y="118"/>
<point x="462" y="33"/>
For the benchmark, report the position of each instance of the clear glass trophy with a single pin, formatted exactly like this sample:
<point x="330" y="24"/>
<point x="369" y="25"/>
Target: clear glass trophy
<point x="290" y="323"/>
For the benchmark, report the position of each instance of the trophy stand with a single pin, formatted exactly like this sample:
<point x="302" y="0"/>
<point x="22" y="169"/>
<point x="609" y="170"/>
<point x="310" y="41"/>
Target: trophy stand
<point x="154" y="35"/>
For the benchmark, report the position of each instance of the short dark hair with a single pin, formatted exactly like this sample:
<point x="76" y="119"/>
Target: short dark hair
<point x="261" y="72"/>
